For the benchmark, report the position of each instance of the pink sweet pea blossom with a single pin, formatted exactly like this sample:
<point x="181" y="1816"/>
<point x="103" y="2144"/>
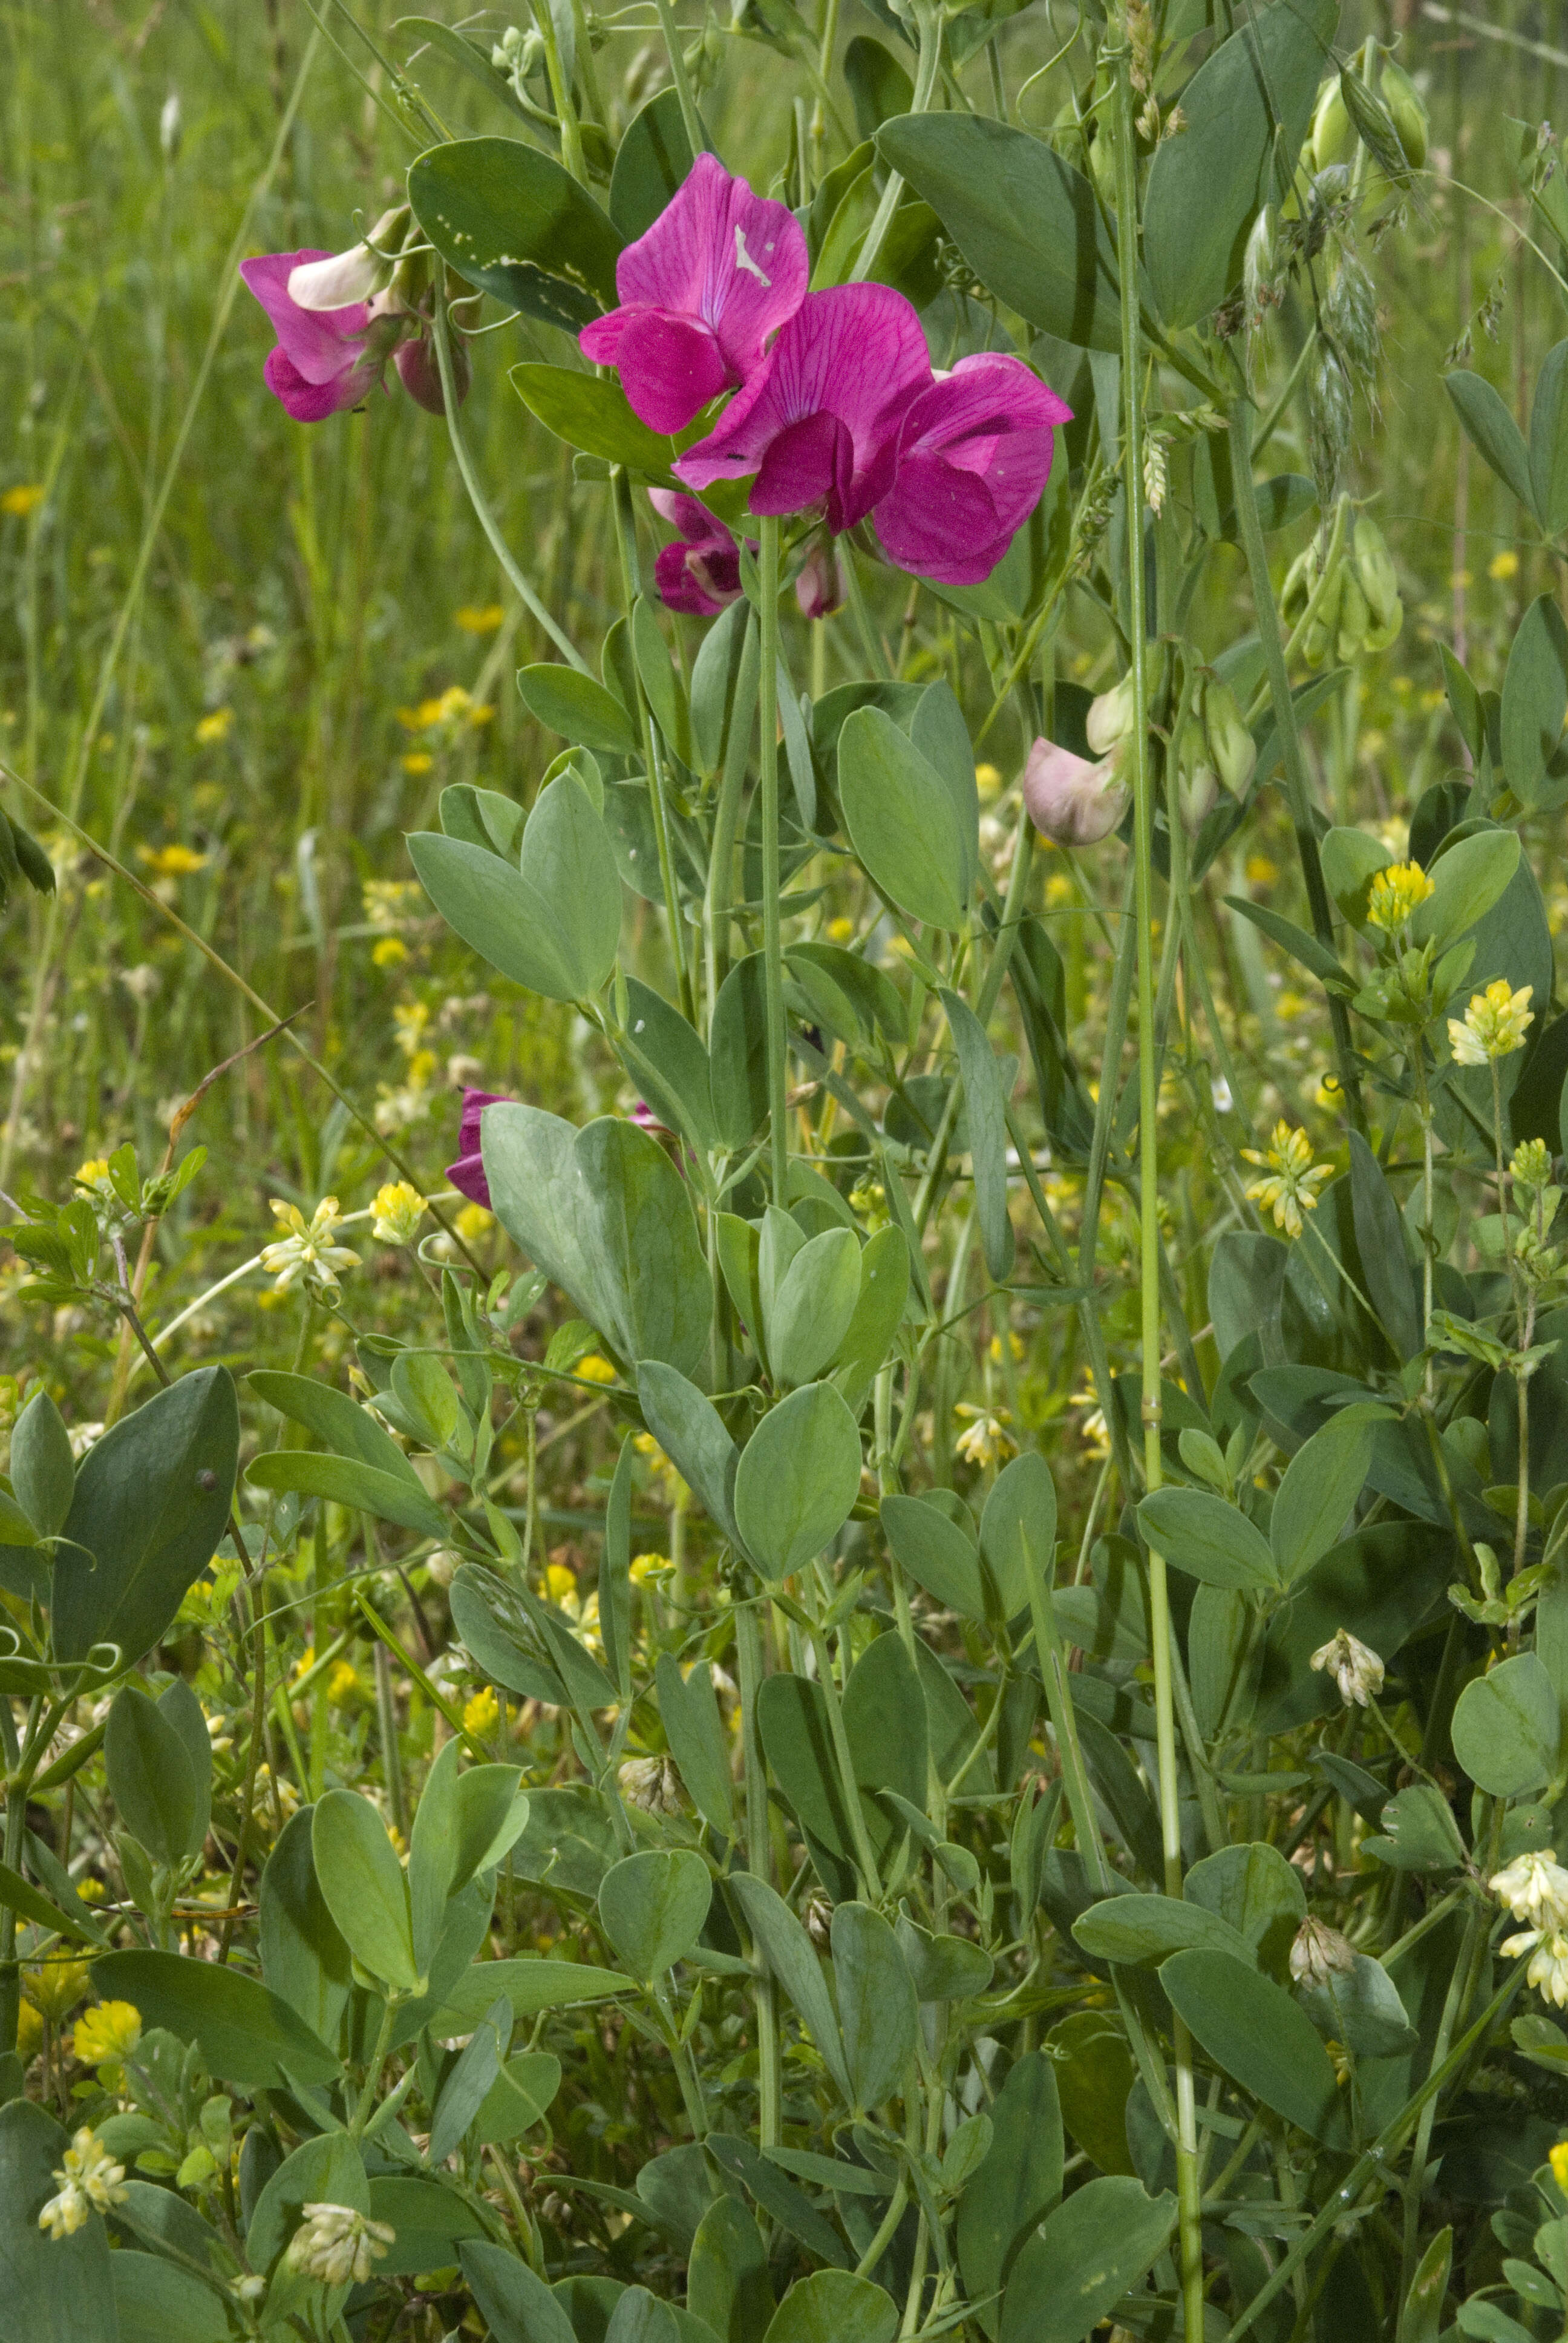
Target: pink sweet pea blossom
<point x="974" y="454"/>
<point x="718" y="272"/>
<point x="468" y="1174"/>
<point x="700" y="573"/>
<point x="819" y="424"/>
<point x="1069" y="799"/>
<point x="321" y="363"/>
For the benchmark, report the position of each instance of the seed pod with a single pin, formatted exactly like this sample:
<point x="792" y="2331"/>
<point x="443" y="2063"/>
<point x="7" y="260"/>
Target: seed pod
<point x="1299" y="578"/>
<point x="1355" y="617"/>
<point x="1410" y="117"/>
<point x="1375" y="570"/>
<point x="1196" y="787"/>
<point x="1229" y="746"/>
<point x="1331" y="135"/>
<point x="1321" y="633"/>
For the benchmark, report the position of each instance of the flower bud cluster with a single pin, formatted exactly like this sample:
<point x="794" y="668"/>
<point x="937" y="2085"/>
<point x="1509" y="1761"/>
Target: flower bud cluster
<point x="1351" y="607"/>
<point x="337" y="2245"/>
<point x="1534" y="1889"/>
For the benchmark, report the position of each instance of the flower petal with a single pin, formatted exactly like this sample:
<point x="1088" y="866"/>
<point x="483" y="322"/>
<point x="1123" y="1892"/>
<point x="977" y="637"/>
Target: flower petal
<point x="987" y="425"/>
<point x="855" y="353"/>
<point x="320" y="342"/>
<point x="670" y="366"/>
<point x="717" y="253"/>
<point x="313" y="402"/>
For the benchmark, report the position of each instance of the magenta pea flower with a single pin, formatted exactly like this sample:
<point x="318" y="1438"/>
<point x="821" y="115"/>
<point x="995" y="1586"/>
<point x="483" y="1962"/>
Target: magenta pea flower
<point x="718" y="272"/>
<point x="322" y="362"/>
<point x="974" y="455"/>
<point x="701" y="572"/>
<point x="468" y="1173"/>
<point x="819" y="423"/>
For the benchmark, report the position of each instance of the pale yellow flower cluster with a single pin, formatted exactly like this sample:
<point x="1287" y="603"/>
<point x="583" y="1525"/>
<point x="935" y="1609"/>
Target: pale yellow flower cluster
<point x="338" y="2245"/>
<point x="1290" y="1188"/>
<point x="1396" y="892"/>
<point x="306" y="1252"/>
<point x="1493" y="1025"/>
<point x="90" y="2182"/>
<point x="1535" y="1887"/>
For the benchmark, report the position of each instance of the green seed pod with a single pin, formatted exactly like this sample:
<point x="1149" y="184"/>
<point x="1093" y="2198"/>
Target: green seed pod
<point x="1375" y="571"/>
<point x="1229" y="746"/>
<point x="1321" y="633"/>
<point x="1354" y="620"/>
<point x="1196" y="787"/>
<point x="1297" y="589"/>
<point x="1411" y="119"/>
<point x="1331" y="137"/>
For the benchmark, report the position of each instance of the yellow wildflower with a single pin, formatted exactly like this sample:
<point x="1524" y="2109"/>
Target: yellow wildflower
<point x="1558" y="2159"/>
<point x="473" y="1222"/>
<point x="1261" y="872"/>
<point x="214" y="728"/>
<point x="594" y="1369"/>
<point x="647" y="1569"/>
<point x="398" y="1209"/>
<point x="29" y="2032"/>
<point x="56" y="1986"/>
<point x="174" y="862"/>
<point x="559" y="1581"/>
<point x="1493" y="1025"/>
<point x="307" y="1251"/>
<point x="481" y="1714"/>
<point x="343" y="1685"/>
<point x="23" y="498"/>
<point x="89" y="1174"/>
<point x="388" y="952"/>
<point x="1501" y="566"/>
<point x="1396" y="892"/>
<point x="840" y="930"/>
<point x="478" y="619"/>
<point x="1294" y="1179"/>
<point x="417" y="760"/>
<point x="90" y="2180"/>
<point x="988" y="781"/>
<point x="104" y="2036"/>
<point x="985" y="1438"/>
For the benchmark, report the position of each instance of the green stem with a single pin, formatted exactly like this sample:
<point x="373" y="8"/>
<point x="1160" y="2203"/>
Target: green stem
<point x="1373" y="2160"/>
<point x="691" y="121"/>
<point x="930" y="22"/>
<point x="1189" y="2177"/>
<point x="726" y="815"/>
<point x="1297" y="793"/>
<point x="759" y="1860"/>
<point x="366" y="2100"/>
<point x="631" y="587"/>
<point x="561" y="94"/>
<point x="516" y="576"/>
<point x="772" y="944"/>
<point x="844" y="1758"/>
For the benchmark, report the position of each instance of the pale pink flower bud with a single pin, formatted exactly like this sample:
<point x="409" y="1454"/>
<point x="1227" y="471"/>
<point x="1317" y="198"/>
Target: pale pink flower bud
<point x="1071" y="801"/>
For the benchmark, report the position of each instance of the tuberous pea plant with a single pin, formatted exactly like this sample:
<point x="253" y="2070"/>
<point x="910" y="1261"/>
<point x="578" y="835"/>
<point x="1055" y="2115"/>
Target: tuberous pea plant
<point x="981" y="1917"/>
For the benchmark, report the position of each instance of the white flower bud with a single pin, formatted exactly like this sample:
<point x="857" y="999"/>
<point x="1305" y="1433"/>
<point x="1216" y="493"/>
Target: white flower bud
<point x="1110" y="717"/>
<point x="1354" y="1667"/>
<point x="1320" y="1953"/>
